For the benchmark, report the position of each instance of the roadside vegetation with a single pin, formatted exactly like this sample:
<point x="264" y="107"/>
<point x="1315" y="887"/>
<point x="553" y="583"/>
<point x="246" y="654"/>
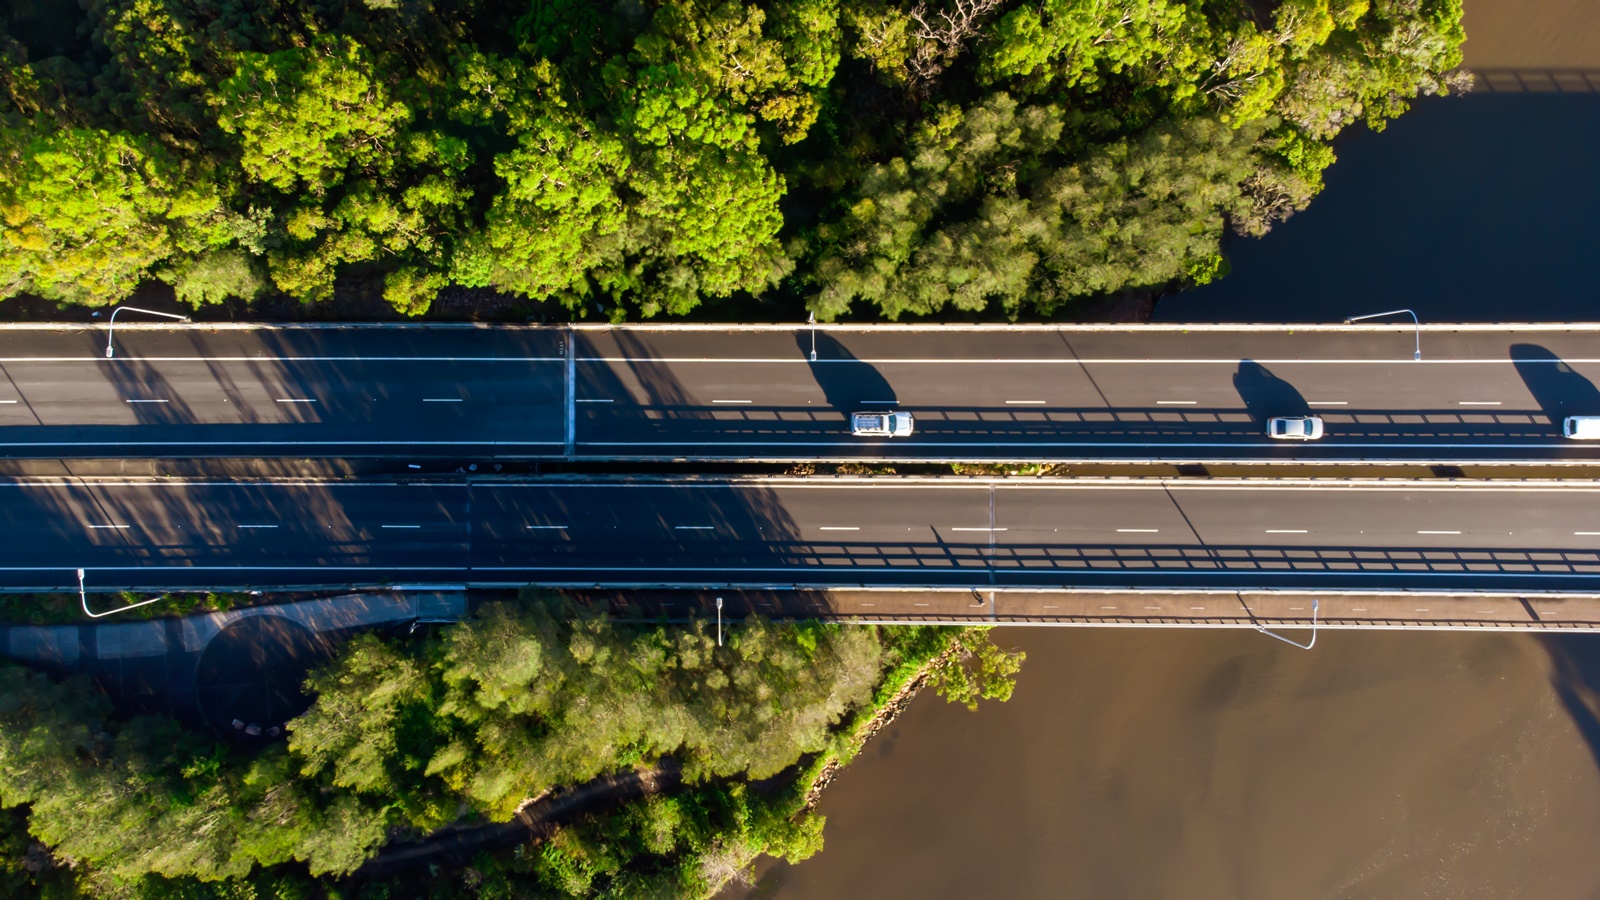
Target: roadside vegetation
<point x="460" y="728"/>
<point x="63" y="608"/>
<point x="876" y="159"/>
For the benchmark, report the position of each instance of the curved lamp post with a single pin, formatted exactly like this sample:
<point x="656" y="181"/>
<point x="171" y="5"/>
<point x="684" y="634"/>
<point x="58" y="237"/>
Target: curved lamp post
<point x="1307" y="645"/>
<point x="111" y="328"/>
<point x="83" y="598"/>
<point x="1416" y="354"/>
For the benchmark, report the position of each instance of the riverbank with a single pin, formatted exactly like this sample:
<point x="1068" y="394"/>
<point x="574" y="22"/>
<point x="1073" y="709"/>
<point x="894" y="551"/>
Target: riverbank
<point x="522" y="700"/>
<point x="796" y="793"/>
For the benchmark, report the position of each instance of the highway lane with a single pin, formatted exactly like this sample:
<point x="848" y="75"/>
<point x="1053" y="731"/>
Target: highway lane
<point x="641" y="393"/>
<point x="282" y="392"/>
<point x="1065" y="394"/>
<point x="1221" y="534"/>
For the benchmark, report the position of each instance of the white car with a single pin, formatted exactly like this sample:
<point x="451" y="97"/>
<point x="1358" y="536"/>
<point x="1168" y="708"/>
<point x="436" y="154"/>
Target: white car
<point x="881" y="424"/>
<point x="1581" y="428"/>
<point x="1294" y="428"/>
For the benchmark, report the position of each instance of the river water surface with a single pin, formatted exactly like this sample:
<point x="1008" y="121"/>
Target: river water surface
<point x="1213" y="764"/>
<point x="1476" y="208"/>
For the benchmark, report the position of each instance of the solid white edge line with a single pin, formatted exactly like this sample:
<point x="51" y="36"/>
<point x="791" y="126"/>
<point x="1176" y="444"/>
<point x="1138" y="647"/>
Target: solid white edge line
<point x="1438" y="532"/>
<point x="1298" y="574"/>
<point x="978" y="529"/>
<point x="1288" y="328"/>
<point x="110" y="526"/>
<point x="955" y="483"/>
<point x="258" y="526"/>
<point x="733" y="401"/>
<point x="296" y="400"/>
<point x="294" y="359"/>
<point x="838" y="528"/>
<point x="582" y="400"/>
<point x="1478" y="403"/>
<point x="1327" y="402"/>
<point x="1289" y="531"/>
<point x="1138" y="530"/>
<point x="1261" y="444"/>
<point x="335" y="443"/>
<point x="880" y="569"/>
<point x="547" y="528"/>
<point x="1177" y="402"/>
<point x="1025" y="402"/>
<point x="146" y="401"/>
<point x="1053" y="361"/>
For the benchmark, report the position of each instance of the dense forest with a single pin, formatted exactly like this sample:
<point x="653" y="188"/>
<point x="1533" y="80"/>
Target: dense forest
<point x="407" y="735"/>
<point x="876" y="158"/>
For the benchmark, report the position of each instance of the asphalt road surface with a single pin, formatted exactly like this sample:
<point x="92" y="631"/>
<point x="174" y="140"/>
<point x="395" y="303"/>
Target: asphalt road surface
<point x="276" y="392"/>
<point x="1218" y="534"/>
<point x="1029" y="393"/>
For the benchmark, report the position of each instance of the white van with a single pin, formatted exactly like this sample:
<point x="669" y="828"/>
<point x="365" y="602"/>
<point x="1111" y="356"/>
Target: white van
<point x="1582" y="428"/>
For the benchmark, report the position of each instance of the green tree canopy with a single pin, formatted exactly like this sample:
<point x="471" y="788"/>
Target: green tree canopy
<point x="89" y="213"/>
<point x="304" y="115"/>
<point x="650" y="157"/>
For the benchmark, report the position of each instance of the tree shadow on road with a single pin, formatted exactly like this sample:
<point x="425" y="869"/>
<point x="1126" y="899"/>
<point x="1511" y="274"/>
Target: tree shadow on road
<point x="1559" y="391"/>
<point x="253" y="673"/>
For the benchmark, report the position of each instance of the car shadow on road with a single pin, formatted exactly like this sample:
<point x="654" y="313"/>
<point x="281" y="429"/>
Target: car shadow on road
<point x="1266" y="395"/>
<point x="1556" y="388"/>
<point x="848" y="383"/>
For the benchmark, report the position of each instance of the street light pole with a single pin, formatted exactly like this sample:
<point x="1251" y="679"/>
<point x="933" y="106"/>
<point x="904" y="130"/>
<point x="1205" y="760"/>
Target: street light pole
<point x="811" y="319"/>
<point x="1417" y="324"/>
<point x="83" y="598"/>
<point x="719" y="621"/>
<point x="112" y="325"/>
<point x="1308" y="644"/>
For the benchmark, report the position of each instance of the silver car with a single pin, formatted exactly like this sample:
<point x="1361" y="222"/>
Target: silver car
<point x="1294" y="428"/>
<point x="881" y="424"/>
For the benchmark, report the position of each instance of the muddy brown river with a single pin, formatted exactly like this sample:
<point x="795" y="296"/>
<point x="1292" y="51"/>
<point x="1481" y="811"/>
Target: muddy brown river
<point x="1206" y="764"/>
